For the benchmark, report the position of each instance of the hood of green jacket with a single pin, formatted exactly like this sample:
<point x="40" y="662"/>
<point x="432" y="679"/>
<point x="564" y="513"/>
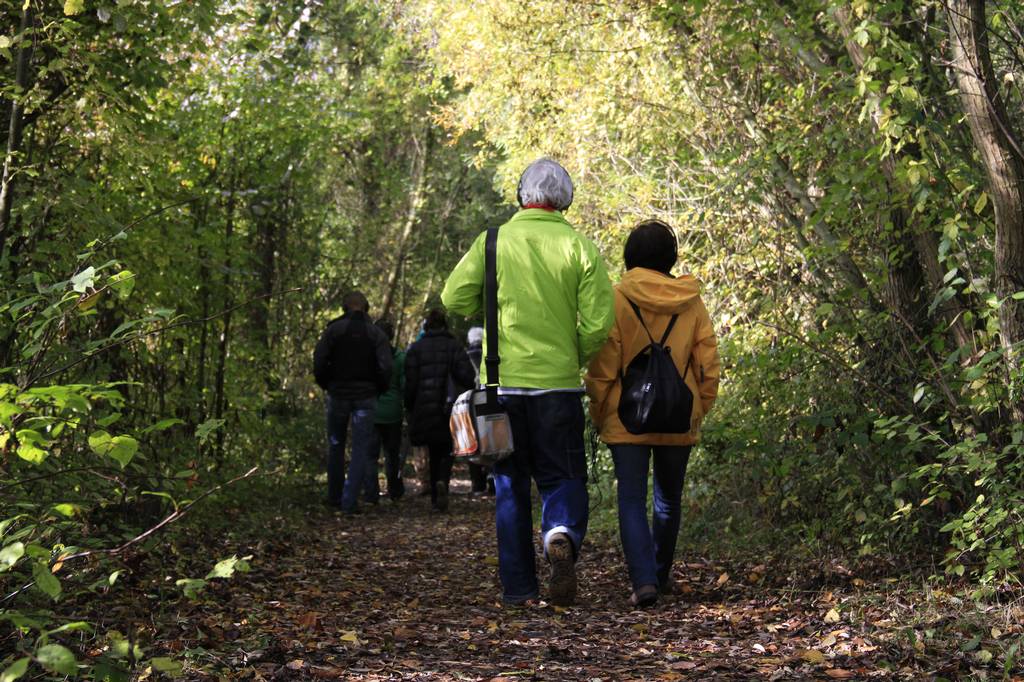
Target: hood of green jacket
<point x="555" y="301"/>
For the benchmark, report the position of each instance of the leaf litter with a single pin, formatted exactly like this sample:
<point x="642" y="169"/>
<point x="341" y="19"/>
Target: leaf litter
<point x="400" y="593"/>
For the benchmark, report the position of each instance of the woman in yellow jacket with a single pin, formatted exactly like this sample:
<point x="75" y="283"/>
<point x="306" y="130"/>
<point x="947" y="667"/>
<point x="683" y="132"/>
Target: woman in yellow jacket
<point x="649" y="255"/>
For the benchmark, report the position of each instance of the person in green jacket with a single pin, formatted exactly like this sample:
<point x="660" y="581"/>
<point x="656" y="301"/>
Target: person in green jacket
<point x="555" y="308"/>
<point x="388" y="423"/>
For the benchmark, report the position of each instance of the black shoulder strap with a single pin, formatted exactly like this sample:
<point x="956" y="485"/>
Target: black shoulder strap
<point x="665" y="337"/>
<point x="636" y="309"/>
<point x="668" y="329"/>
<point x="493" y="359"/>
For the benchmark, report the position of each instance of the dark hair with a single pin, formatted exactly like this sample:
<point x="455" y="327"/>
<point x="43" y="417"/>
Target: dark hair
<point x="651" y="245"/>
<point x="435" y="320"/>
<point x="386" y="326"/>
<point x="355" y="300"/>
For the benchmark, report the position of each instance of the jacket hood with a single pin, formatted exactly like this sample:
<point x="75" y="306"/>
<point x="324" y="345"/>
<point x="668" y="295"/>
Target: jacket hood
<point x="660" y="293"/>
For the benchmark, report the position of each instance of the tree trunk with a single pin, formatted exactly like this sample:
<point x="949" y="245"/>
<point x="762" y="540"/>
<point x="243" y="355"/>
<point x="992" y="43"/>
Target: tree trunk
<point x="220" y="401"/>
<point x="14" y="127"/>
<point x="416" y="199"/>
<point x="204" y="314"/>
<point x="1000" y="152"/>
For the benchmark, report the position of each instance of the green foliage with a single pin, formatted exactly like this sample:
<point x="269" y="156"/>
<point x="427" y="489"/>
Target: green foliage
<point x="195" y="186"/>
<point x="825" y="189"/>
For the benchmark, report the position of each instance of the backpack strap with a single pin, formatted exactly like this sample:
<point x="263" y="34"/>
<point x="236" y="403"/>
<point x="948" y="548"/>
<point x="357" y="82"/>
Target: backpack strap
<point x="636" y="309"/>
<point x="664" y="337"/>
<point x="668" y="329"/>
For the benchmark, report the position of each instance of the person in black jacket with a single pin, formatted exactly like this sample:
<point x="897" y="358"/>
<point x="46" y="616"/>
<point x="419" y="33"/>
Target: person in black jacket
<point x="437" y="370"/>
<point x="352" y="362"/>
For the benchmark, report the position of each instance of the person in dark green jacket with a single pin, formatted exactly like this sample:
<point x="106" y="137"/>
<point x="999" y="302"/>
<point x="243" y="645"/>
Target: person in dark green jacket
<point x="555" y="307"/>
<point x="388" y="423"/>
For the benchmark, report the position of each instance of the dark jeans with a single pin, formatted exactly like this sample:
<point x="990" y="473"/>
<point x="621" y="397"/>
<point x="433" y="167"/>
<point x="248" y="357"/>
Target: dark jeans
<point x="389" y="438"/>
<point x="548" y="434"/>
<point x="478" y="477"/>
<point x="649" y="549"/>
<point x="341" y="490"/>
<point x="441" y="460"/>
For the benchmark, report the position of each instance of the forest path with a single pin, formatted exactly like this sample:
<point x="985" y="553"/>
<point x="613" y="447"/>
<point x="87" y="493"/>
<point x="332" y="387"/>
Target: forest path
<point x="400" y="592"/>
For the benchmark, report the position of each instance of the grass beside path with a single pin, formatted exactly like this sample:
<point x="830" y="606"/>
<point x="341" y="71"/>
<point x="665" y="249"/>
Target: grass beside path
<point x="400" y="593"/>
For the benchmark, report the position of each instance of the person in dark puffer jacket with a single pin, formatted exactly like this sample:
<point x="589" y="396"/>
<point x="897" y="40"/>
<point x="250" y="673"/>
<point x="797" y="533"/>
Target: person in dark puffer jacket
<point x="437" y="369"/>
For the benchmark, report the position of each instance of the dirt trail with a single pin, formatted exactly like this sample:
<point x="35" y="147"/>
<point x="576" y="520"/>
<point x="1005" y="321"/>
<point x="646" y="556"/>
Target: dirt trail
<point x="402" y="593"/>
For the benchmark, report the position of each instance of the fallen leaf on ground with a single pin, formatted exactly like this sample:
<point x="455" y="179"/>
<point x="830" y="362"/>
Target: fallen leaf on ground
<point x="811" y="656"/>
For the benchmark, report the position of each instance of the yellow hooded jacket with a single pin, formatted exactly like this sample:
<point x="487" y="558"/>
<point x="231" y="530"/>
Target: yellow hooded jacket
<point x="692" y="342"/>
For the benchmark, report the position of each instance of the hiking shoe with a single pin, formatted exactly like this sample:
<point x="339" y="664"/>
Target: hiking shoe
<point x="442" y="496"/>
<point x="644" y="596"/>
<point x="562" y="582"/>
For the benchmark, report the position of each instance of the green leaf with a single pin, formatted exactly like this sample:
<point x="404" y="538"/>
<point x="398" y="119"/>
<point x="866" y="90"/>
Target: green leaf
<point x="77" y="626"/>
<point x="162" y="425"/>
<point x="204" y="430"/>
<point x="30" y="444"/>
<point x="167" y="666"/>
<point x="119" y="448"/>
<point x="85" y="279"/>
<point x="58" y="659"/>
<point x="106" y="671"/>
<point x="227" y="567"/>
<point x="15" y="670"/>
<point x="66" y="509"/>
<point x="191" y="587"/>
<point x="981" y="203"/>
<point x="122" y="283"/>
<point x="10" y="554"/>
<point x="46" y="581"/>
<point x="121" y="648"/>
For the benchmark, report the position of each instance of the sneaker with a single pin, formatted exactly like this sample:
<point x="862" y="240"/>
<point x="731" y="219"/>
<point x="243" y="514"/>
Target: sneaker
<point x="562" y="582"/>
<point x="442" y="496"/>
<point x="644" y="596"/>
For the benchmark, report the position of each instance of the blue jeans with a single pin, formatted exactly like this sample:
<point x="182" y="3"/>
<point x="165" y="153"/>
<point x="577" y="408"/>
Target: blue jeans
<point x="343" y="490"/>
<point x="548" y="434"/>
<point x="649" y="549"/>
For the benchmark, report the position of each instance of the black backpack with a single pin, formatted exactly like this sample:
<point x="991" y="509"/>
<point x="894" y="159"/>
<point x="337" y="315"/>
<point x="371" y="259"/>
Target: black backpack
<point x="655" y="399"/>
